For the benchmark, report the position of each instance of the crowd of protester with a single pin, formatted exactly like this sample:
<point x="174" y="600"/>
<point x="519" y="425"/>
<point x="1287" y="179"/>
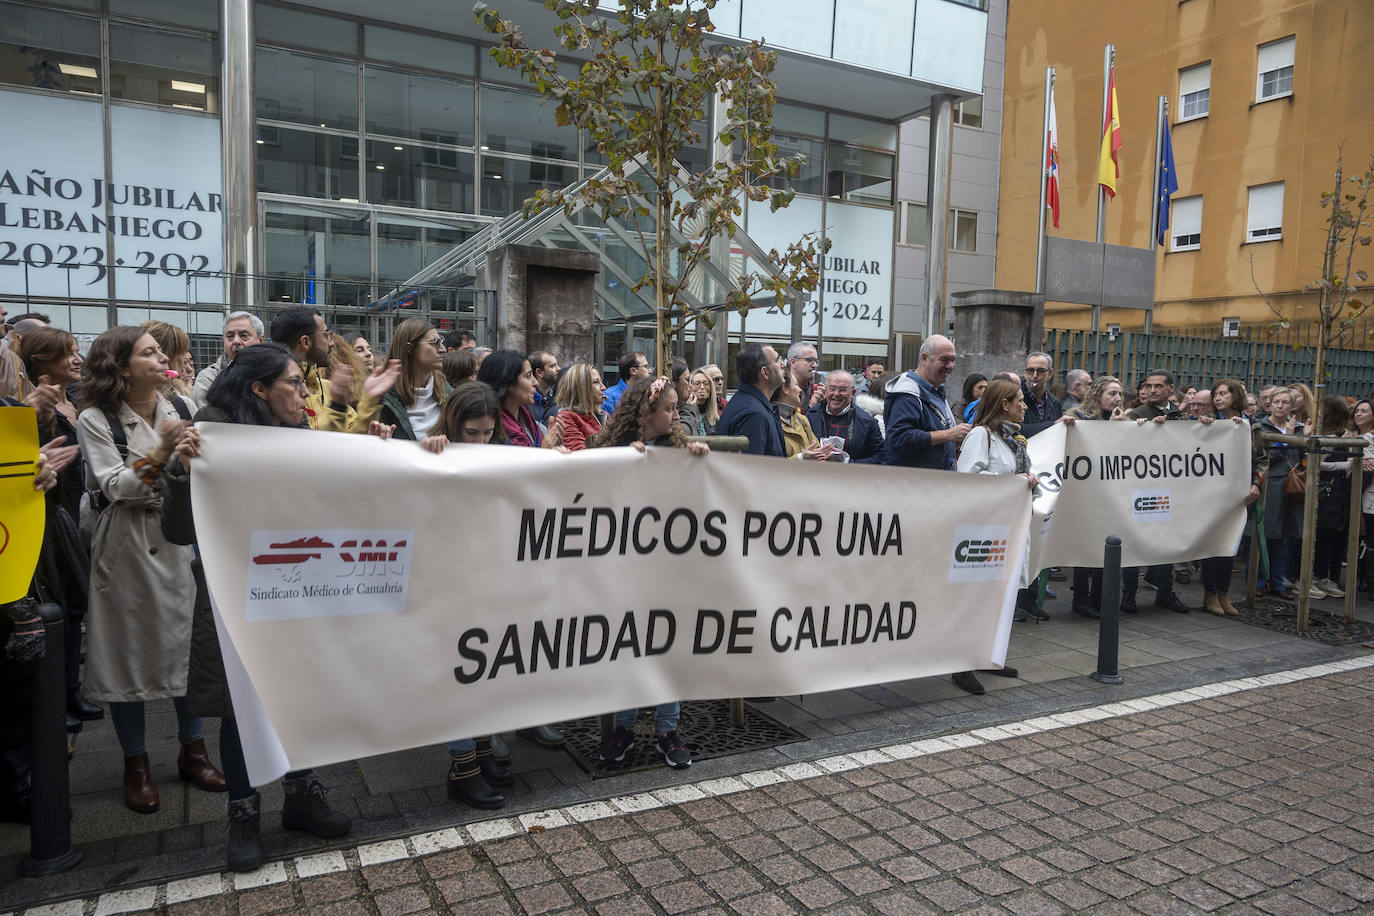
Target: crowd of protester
<point x="119" y="444"/>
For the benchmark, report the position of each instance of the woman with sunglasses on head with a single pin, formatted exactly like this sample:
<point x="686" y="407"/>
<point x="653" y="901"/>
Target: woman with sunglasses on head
<point x="412" y="405"/>
<point x="141" y="591"/>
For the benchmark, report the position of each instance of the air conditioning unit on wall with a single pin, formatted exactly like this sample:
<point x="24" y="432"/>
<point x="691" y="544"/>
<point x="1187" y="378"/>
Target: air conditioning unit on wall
<point x="1230" y="327"/>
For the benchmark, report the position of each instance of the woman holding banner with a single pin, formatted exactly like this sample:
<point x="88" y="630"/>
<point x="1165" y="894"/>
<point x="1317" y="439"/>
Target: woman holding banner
<point x="1102" y="402"/>
<point x="263" y="386"/>
<point x="472" y="415"/>
<point x="647" y="415"/>
<point x="995" y="446"/>
<point x="1228" y="403"/>
<point x="580" y="393"/>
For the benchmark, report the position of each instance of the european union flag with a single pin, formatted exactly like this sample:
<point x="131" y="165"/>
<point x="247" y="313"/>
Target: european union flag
<point x="1168" y="184"/>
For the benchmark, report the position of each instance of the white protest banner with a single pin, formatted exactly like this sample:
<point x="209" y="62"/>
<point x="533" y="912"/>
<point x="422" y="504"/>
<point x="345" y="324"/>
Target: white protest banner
<point x="373" y="596"/>
<point x="1171" y="491"/>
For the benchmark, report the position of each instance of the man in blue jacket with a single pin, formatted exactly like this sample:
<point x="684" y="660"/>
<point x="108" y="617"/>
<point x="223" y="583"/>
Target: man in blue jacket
<point x="632" y="367"/>
<point x="837" y="415"/>
<point x="750" y="412"/>
<point x="921" y="433"/>
<point x="921" y="430"/>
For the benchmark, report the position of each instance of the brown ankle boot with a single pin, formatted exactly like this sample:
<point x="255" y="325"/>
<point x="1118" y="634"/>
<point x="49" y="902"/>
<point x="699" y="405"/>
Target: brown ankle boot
<point x="194" y="766"/>
<point x="1225" y="601"/>
<point x="140" y="794"/>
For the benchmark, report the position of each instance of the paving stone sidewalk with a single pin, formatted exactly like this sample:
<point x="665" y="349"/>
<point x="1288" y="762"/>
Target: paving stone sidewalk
<point x="402" y="793"/>
<point x="1255" y="801"/>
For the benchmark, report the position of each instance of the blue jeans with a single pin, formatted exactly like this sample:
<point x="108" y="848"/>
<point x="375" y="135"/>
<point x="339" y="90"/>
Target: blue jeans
<point x="462" y="746"/>
<point x="129" y="725"/>
<point x="665" y="717"/>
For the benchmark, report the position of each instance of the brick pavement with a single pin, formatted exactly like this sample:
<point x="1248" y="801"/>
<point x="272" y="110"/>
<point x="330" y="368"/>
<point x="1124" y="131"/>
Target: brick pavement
<point x="1240" y="798"/>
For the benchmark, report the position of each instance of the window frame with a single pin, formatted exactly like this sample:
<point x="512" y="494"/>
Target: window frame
<point x="1269" y="233"/>
<point x="1183" y="97"/>
<point x="1292" y="42"/>
<point x="1193" y="240"/>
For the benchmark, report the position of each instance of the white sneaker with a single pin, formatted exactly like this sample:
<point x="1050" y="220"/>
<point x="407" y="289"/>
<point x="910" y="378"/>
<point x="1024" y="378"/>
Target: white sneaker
<point x="1316" y="592"/>
<point x="1332" y="589"/>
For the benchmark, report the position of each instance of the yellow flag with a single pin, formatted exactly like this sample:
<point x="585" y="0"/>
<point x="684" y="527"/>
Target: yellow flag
<point x="21" y="506"/>
<point x="1108" y="167"/>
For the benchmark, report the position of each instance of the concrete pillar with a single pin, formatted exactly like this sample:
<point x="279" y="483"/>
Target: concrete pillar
<point x="237" y="35"/>
<point x="545" y="300"/>
<point x="937" y="211"/>
<point x="994" y="329"/>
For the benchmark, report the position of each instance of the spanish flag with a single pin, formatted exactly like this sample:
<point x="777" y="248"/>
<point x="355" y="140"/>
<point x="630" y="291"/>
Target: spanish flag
<point x="1108" y="168"/>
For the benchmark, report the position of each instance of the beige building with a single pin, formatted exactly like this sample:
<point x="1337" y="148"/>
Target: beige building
<point x="1263" y="95"/>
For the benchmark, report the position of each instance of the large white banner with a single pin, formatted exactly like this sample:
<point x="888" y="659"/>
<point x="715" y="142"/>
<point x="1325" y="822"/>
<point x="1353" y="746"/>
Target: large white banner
<point x="373" y="596"/>
<point x="1171" y="491"/>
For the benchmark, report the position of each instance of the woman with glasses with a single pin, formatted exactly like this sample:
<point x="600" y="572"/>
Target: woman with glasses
<point x="139" y="617"/>
<point x="263" y="386"/>
<point x="703" y="396"/>
<point x="412" y="405"/>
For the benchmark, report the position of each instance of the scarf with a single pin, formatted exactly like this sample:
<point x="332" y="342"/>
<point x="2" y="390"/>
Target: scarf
<point x="1011" y="434"/>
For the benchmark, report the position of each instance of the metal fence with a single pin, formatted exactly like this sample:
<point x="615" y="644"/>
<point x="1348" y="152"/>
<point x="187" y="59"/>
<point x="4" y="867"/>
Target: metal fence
<point x="1201" y="360"/>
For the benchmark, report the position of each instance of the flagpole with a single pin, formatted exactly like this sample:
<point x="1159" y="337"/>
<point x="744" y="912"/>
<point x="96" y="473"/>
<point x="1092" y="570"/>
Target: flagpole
<point x="1041" y="229"/>
<point x="1108" y="56"/>
<point x="1160" y="115"/>
<point x="1161" y="125"/>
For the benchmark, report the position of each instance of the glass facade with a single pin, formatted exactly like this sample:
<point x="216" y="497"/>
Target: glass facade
<point x="379" y="149"/>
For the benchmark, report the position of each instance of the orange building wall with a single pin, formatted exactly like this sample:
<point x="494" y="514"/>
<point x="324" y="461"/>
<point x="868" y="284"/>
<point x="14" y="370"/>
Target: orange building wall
<point x="1294" y="139"/>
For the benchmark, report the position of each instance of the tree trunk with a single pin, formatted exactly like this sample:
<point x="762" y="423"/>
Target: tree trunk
<point x="1314" y="470"/>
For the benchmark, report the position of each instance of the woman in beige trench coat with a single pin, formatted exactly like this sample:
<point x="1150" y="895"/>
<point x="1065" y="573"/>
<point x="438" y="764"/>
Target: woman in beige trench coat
<point x="139" y="619"/>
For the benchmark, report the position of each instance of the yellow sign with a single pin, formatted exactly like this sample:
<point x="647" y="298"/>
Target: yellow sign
<point x="21" y="506"/>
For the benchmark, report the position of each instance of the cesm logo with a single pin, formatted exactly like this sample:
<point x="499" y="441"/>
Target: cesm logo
<point x="1151" y="506"/>
<point x="979" y="553"/>
<point x="299" y="574"/>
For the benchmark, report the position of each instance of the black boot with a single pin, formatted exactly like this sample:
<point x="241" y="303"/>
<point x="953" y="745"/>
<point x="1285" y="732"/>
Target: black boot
<point x="307" y="809"/>
<point x="465" y="783"/>
<point x="492" y="772"/>
<point x="245" y="833"/>
<point x="82" y="708"/>
<point x="500" y="750"/>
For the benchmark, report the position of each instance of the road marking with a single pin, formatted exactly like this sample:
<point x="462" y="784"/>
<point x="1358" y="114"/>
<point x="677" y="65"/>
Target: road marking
<point x="428" y="843"/>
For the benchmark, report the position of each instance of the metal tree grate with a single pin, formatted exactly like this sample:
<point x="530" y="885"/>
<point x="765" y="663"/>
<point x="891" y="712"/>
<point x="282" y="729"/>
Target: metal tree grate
<point x="704" y="726"/>
<point x="1323" y="626"/>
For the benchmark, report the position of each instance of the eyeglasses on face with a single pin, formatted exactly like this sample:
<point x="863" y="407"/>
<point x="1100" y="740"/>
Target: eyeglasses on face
<point x="298" y="382"/>
<point x="1036" y="370"/>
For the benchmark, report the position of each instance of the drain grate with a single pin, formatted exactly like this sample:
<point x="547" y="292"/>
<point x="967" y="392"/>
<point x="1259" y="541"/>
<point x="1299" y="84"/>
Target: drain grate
<point x="1282" y="616"/>
<point x="704" y="726"/>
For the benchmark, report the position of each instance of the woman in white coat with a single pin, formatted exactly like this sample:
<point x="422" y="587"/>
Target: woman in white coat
<point x="995" y="446"/>
<point x="138" y="637"/>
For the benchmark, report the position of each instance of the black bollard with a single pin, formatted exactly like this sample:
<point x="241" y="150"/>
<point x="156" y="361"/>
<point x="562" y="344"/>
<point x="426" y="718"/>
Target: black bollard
<point x="1109" y="627"/>
<point x="50" y="834"/>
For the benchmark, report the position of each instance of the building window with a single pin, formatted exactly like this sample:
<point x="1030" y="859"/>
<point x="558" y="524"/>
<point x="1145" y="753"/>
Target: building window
<point x="1194" y="91"/>
<point x="963" y="231"/>
<point x="1265" y="222"/>
<point x="165" y="68"/>
<point x="969" y="113"/>
<point x="1275" y="70"/>
<point x="1185" y="223"/>
<point x="913" y="229"/>
<point x="46" y="49"/>
<point x="963" y="228"/>
<point x="859" y="175"/>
